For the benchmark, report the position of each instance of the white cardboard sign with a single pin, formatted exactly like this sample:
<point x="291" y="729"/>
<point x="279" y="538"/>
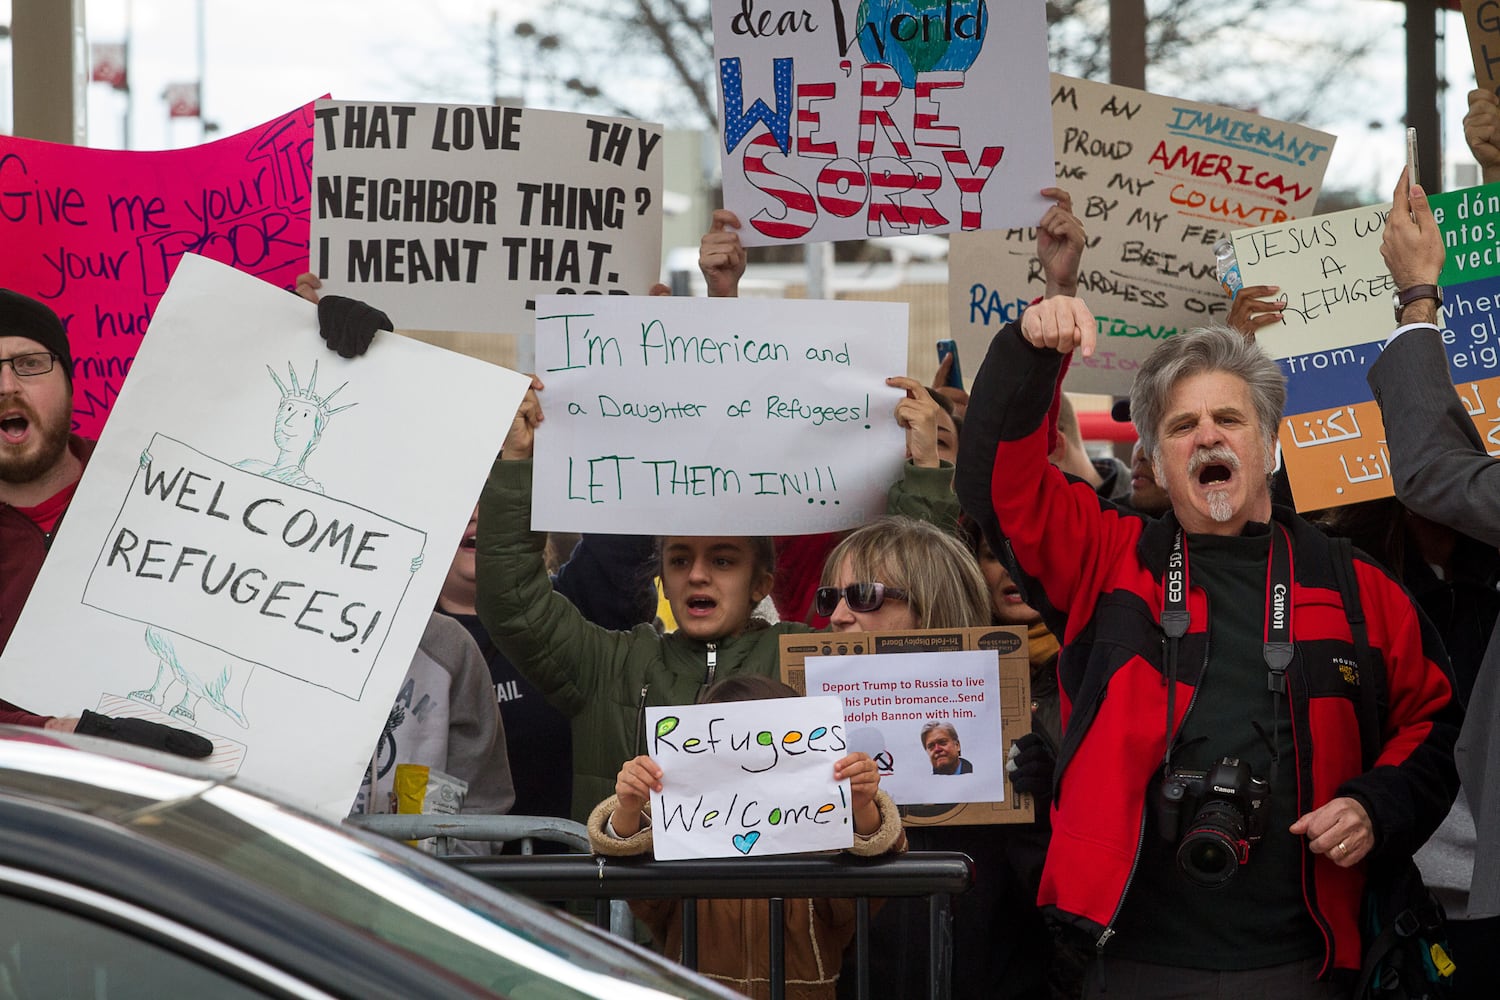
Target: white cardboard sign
<point x="890" y="697"/>
<point x="711" y="416"/>
<point x="749" y="777"/>
<point x="455" y="217"/>
<point x="259" y="537"/>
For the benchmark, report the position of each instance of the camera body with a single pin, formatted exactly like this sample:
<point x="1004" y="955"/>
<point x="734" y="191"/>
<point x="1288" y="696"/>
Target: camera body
<point x="1228" y="809"/>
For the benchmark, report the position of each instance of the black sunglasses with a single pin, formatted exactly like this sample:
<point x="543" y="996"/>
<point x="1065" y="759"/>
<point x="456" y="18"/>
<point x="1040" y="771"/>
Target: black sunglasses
<point x="861" y="597"/>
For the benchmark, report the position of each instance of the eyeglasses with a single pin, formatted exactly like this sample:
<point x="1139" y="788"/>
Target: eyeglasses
<point x="27" y="365"/>
<point x="861" y="597"/>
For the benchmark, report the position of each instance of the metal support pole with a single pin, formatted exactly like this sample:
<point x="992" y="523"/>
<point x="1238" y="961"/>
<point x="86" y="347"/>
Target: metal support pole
<point x="1422" y="85"/>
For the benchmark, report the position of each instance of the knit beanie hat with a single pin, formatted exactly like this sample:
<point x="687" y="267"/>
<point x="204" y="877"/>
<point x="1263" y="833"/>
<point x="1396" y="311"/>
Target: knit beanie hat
<point x="22" y="316"/>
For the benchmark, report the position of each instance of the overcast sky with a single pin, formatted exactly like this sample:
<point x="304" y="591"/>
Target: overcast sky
<point x="266" y="57"/>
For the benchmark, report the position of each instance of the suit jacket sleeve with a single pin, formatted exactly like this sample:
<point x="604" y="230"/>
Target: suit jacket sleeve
<point x="1439" y="462"/>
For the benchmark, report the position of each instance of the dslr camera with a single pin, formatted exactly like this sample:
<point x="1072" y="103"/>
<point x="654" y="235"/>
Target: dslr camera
<point x="1213" y="816"/>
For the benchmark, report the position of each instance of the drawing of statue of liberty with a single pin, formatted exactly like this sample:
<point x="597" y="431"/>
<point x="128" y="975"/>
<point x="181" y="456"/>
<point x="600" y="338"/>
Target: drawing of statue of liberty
<point x="300" y="421"/>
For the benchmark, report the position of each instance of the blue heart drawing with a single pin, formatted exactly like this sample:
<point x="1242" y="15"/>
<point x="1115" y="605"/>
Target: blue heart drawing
<point x="744" y="841"/>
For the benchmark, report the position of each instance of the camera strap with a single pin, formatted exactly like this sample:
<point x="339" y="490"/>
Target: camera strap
<point x="1276" y="639"/>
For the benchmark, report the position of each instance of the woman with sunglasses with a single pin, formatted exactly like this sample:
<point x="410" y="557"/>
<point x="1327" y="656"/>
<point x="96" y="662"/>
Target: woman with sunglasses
<point x="603" y="680"/>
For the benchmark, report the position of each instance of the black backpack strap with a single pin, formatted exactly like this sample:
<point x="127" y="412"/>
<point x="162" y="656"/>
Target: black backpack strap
<point x="1370" y="681"/>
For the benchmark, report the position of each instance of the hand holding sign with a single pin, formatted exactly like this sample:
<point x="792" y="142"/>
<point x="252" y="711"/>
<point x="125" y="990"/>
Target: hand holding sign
<point x="918" y="415"/>
<point x="1412" y="246"/>
<point x="721" y="258"/>
<point x="520" y="441"/>
<point x="633" y="787"/>
<point x="1482" y="132"/>
<point x="1059" y="243"/>
<point x="1255" y="307"/>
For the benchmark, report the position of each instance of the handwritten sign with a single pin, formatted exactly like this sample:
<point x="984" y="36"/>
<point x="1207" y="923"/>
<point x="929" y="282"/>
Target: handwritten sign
<point x="234" y="561"/>
<point x="97" y="234"/>
<point x="881" y="119"/>
<point x="892" y="699"/>
<point x="1337" y="292"/>
<point x="455" y="217"/>
<point x="218" y="541"/>
<point x="701" y="416"/>
<point x="749" y="777"/>
<point x="1482" y="21"/>
<point x="1156" y="181"/>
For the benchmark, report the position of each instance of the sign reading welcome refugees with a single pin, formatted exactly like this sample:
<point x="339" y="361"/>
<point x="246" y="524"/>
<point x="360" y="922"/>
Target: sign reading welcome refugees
<point x="256" y="545"/>
<point x="1155" y="181"/>
<point x="1337" y="315"/>
<point x="700" y="416"/>
<point x="455" y="217"/>
<point x="848" y="120"/>
<point x="749" y="777"/>
<point x="97" y="233"/>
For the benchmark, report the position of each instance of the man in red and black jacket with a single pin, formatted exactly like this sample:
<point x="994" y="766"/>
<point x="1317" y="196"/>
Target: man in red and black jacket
<point x="1254" y="875"/>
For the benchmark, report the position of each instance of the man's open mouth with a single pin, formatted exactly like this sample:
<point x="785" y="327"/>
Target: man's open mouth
<point x="467" y="542"/>
<point x="1214" y="472"/>
<point x="14" y="427"/>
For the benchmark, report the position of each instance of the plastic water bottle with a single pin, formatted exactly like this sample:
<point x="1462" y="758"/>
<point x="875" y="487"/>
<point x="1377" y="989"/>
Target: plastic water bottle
<point x="1227" y="267"/>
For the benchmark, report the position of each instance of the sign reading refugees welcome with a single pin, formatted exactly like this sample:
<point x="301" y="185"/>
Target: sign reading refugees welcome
<point x="455" y="217"/>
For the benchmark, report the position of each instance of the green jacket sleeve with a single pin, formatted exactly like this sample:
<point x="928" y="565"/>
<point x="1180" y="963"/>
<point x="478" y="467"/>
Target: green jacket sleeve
<point x="926" y="495"/>
<point x="566" y="656"/>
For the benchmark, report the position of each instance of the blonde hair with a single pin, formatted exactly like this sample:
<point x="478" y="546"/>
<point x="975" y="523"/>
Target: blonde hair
<point x="944" y="585"/>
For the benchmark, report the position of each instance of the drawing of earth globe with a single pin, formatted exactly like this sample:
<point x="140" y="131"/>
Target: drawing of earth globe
<point x="921" y="36"/>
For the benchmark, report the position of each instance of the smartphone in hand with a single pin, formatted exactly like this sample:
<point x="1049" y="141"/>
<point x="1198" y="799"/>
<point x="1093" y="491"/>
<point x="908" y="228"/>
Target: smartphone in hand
<point x="955" y="374"/>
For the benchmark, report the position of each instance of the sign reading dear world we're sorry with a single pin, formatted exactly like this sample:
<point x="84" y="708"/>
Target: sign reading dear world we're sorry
<point x="747" y="777"/>
<point x="849" y="119"/>
<point x="701" y="416"/>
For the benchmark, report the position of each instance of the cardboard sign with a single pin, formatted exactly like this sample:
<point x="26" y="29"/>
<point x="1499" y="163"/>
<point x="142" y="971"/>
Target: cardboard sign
<point x="1155" y="181"/>
<point x="1338" y="314"/>
<point x="747" y="777"/>
<point x="1482" y="22"/>
<point x="705" y="416"/>
<point x="97" y="234"/>
<point x="881" y="119"/>
<point x="256" y="545"/>
<point x="455" y="217"/>
<point x="892" y="702"/>
<point x="1008" y="643"/>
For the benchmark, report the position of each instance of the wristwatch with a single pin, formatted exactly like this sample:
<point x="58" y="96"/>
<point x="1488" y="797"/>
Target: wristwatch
<point x="1406" y="296"/>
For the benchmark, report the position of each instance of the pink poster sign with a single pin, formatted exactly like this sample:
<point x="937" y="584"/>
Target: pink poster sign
<point x="97" y="234"/>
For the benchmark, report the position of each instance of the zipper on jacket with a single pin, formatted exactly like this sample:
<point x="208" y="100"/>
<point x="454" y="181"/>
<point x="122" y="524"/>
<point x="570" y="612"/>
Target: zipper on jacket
<point x="1140" y="842"/>
<point x="640" y="721"/>
<point x="709" y="670"/>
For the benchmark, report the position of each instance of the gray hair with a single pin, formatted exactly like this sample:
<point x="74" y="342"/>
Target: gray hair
<point x="1213" y="348"/>
<point x="938" y="724"/>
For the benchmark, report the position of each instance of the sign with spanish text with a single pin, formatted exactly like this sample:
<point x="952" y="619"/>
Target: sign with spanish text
<point x="1337" y="316"/>
<point x="749" y="777"/>
<point x="881" y="118"/>
<point x="97" y="234"/>
<point x="704" y="416"/>
<point x="455" y="217"/>
<point x="234" y="561"/>
<point x="1482" y="22"/>
<point x="931" y="721"/>
<point x="1156" y="182"/>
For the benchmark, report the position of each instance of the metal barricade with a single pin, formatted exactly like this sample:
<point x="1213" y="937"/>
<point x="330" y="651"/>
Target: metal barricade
<point x="936" y="875"/>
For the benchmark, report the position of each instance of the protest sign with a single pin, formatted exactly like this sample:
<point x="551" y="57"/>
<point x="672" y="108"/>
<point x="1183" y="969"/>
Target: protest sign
<point x="891" y="700"/>
<point x="260" y="535"/>
<point x="1338" y="314"/>
<point x="800" y="654"/>
<point x="1155" y="181"/>
<point x="881" y="119"/>
<point x="746" y="777"/>
<point x="1482" y="21"/>
<point x="455" y="217"/>
<point x="706" y="416"/>
<point x="96" y="233"/>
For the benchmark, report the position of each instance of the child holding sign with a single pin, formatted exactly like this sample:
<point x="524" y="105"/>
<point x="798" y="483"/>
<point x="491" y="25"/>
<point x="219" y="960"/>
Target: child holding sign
<point x="732" y="945"/>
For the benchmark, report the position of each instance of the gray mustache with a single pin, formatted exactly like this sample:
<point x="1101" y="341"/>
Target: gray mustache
<point x="1221" y="455"/>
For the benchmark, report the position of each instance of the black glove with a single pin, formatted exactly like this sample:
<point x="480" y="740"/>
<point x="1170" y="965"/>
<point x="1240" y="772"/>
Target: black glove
<point x="348" y="325"/>
<point x="144" y="734"/>
<point x="1030" y="767"/>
